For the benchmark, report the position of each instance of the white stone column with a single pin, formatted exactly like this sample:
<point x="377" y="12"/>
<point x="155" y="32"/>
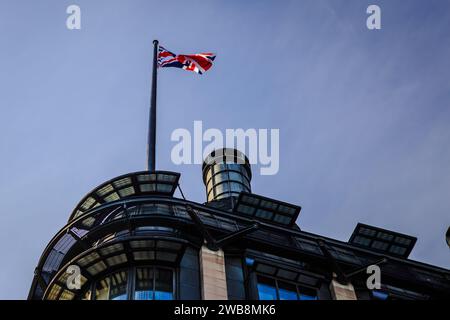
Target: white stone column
<point x="212" y="270"/>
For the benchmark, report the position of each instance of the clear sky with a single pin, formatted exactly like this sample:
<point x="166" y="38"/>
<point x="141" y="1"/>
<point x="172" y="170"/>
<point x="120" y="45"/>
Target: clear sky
<point x="363" y="115"/>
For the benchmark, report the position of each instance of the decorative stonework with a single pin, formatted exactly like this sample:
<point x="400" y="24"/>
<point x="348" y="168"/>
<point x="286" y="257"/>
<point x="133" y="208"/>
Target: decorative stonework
<point x="342" y="292"/>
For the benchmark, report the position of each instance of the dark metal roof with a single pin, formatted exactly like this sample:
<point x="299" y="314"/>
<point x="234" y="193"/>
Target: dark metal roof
<point x="278" y="239"/>
<point x="382" y="240"/>
<point x="266" y="209"/>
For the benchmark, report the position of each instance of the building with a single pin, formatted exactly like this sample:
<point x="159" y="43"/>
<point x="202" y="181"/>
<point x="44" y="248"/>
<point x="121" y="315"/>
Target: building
<point x="132" y="239"/>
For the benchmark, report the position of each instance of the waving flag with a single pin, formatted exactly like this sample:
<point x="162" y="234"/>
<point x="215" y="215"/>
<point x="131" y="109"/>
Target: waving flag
<point x="198" y="63"/>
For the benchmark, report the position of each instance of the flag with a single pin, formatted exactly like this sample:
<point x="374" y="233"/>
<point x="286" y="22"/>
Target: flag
<point x="198" y="63"/>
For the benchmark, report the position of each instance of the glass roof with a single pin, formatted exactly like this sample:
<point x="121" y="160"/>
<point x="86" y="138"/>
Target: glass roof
<point x="129" y="185"/>
<point x="381" y="240"/>
<point x="266" y="209"/>
<point x="101" y="259"/>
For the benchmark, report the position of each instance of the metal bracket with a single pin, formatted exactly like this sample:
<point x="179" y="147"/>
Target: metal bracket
<point x="212" y="243"/>
<point x="359" y="270"/>
<point x="40" y="279"/>
<point x="80" y="240"/>
<point x="341" y="277"/>
<point x="236" y="235"/>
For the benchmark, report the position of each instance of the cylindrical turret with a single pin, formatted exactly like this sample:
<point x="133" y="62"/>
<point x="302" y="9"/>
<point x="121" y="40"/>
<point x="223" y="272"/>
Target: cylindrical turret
<point x="226" y="172"/>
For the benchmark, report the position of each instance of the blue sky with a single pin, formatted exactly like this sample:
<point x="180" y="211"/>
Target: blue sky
<point x="363" y="115"/>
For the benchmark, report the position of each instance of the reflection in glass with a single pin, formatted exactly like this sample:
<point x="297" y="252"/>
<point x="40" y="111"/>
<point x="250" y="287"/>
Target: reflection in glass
<point x="163" y="284"/>
<point x="274" y="289"/>
<point x="153" y="284"/>
<point x="236" y="176"/>
<point x="221" y="188"/>
<point x="86" y="295"/>
<point x="112" y="287"/>
<point x="144" y="284"/>
<point x="307" y="297"/>
<point x="287" y="291"/>
<point x="267" y="289"/>
<point x="236" y="187"/>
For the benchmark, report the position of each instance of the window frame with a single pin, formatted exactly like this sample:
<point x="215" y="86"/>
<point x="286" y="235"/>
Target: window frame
<point x="297" y="286"/>
<point x="131" y="281"/>
<point x="154" y="268"/>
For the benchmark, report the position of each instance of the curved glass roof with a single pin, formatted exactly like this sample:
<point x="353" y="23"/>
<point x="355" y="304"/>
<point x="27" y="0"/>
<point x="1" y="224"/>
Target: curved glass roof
<point x="134" y="184"/>
<point x="112" y="255"/>
<point x="71" y="236"/>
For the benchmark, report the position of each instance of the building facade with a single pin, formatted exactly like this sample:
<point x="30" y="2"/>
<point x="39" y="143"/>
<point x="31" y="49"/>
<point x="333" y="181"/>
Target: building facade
<point x="131" y="239"/>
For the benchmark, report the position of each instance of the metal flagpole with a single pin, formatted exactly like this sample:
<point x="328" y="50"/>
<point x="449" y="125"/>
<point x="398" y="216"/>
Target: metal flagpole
<point x="151" y="143"/>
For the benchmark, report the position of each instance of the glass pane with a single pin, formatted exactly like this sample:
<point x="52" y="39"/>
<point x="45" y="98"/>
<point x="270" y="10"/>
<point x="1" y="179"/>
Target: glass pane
<point x="86" y="295"/>
<point x="236" y="187"/>
<point x="144" y="284"/>
<point x="307" y="294"/>
<point x="385" y="236"/>
<point x="164" y="187"/>
<point x="163" y="284"/>
<point x="220" y="177"/>
<point x="209" y="186"/>
<point x="234" y="166"/>
<point x="362" y="240"/>
<point x="307" y="297"/>
<point x="264" y="214"/>
<point x="147" y="187"/>
<point x="367" y="232"/>
<point x="112" y="287"/>
<point x="380" y="295"/>
<point x="221" y="188"/>
<point x="149" y="209"/>
<point x="245" y="209"/>
<point x="219" y="167"/>
<point x="403" y="241"/>
<point x="266" y="289"/>
<point x="380" y="245"/>
<point x="397" y="250"/>
<point x="235" y="176"/>
<point x="287" y="291"/>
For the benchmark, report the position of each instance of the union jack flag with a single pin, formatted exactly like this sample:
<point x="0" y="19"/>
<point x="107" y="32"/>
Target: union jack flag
<point x="198" y="63"/>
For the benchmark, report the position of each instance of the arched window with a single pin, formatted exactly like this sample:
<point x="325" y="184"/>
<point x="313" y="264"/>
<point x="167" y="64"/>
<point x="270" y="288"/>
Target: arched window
<point x="112" y="287"/>
<point x="139" y="283"/>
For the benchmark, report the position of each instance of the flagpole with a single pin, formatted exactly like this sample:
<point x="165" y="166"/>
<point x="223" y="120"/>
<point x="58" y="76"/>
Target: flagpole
<point x="151" y="143"/>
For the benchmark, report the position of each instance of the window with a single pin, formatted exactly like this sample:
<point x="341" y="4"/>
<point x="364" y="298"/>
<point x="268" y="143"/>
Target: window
<point x="287" y="291"/>
<point x="389" y="292"/>
<point x="274" y="289"/>
<point x="267" y="289"/>
<point x="380" y="295"/>
<point x="153" y="284"/>
<point x="150" y="283"/>
<point x="86" y="295"/>
<point x="112" y="287"/>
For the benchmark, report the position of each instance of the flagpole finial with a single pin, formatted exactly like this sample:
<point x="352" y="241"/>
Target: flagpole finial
<point x="155" y="42"/>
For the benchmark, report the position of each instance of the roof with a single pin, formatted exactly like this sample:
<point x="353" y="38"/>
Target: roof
<point x="141" y="183"/>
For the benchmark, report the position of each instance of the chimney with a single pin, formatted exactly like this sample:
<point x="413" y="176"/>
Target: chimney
<point x="226" y="172"/>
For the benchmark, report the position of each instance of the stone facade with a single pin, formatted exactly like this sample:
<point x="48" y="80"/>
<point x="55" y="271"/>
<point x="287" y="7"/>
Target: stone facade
<point x="212" y="268"/>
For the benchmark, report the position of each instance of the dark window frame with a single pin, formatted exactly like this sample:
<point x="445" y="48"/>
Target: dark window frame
<point x="294" y="283"/>
<point x="131" y="281"/>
